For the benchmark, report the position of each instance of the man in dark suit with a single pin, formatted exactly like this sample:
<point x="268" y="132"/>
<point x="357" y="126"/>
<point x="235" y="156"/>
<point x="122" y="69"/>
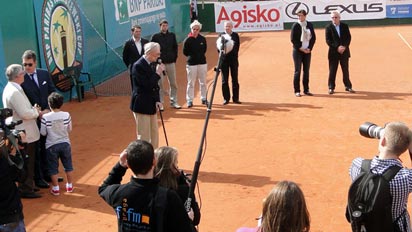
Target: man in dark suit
<point x="338" y="38"/>
<point x="231" y="62"/>
<point x="145" y="93"/>
<point x="38" y="85"/>
<point x="133" y="49"/>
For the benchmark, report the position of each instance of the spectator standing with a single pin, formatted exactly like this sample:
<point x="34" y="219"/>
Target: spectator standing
<point x="168" y="55"/>
<point x="133" y="49"/>
<point x="56" y="125"/>
<point x="303" y="38"/>
<point x="338" y="38"/>
<point x="231" y="62"/>
<point x="194" y="48"/>
<point x="14" y="98"/>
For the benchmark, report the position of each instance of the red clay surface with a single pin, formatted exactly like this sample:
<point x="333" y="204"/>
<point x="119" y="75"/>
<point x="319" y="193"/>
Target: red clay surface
<point x="272" y="136"/>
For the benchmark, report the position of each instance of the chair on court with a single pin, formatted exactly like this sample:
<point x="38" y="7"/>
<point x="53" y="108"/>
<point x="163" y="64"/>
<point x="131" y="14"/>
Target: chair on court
<point x="75" y="74"/>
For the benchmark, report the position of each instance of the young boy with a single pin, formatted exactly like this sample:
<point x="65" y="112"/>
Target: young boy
<point x="56" y="125"/>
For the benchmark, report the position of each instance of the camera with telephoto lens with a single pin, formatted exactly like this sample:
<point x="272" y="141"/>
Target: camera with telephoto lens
<point x="8" y="130"/>
<point x="370" y="130"/>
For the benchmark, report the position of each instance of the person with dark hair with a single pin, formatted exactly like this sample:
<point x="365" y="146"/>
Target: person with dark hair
<point x="395" y="139"/>
<point x="14" y="98"/>
<point x="38" y="85"/>
<point x="231" y="63"/>
<point x="168" y="54"/>
<point x="141" y="204"/>
<point x="338" y="38"/>
<point x="133" y="49"/>
<point x="303" y="38"/>
<point x="169" y="176"/>
<point x="56" y="125"/>
<point x="11" y="208"/>
<point x="284" y="210"/>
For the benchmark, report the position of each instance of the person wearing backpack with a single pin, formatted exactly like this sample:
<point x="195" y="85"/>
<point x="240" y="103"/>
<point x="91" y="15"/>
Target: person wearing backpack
<point x="370" y="214"/>
<point x="141" y="204"/>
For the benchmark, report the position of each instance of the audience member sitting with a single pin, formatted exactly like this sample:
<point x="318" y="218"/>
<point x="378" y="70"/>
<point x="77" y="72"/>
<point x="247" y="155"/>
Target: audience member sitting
<point x="171" y="177"/>
<point x="284" y="210"/>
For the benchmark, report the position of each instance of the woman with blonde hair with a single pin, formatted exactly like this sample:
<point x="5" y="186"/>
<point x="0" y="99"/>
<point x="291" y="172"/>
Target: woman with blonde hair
<point x="284" y="210"/>
<point x="169" y="176"/>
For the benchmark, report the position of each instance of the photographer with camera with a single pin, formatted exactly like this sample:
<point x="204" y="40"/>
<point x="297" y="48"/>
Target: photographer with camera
<point x="394" y="139"/>
<point x="141" y="204"/>
<point x="15" y="99"/>
<point x="11" y="209"/>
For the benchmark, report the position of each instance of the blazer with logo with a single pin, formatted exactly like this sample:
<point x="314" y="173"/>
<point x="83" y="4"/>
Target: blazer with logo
<point x="38" y="94"/>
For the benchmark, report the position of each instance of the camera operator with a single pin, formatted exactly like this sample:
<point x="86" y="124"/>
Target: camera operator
<point x="11" y="210"/>
<point x="394" y="140"/>
<point x="140" y="204"/>
<point x="14" y="98"/>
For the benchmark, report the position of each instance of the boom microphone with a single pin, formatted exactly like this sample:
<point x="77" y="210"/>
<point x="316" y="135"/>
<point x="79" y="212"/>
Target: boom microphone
<point x="159" y="61"/>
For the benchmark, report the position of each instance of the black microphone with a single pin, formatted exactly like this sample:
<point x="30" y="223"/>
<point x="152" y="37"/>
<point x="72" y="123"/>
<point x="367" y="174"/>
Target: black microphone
<point x="159" y="61"/>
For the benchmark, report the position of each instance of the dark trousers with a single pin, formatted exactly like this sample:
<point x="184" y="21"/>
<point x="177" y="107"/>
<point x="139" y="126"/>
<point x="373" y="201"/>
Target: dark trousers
<point x="28" y="185"/>
<point x="333" y="68"/>
<point x="233" y="66"/>
<point x="301" y="59"/>
<point x="40" y="163"/>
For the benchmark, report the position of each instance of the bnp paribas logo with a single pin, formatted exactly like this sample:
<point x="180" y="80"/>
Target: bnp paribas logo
<point x="62" y="36"/>
<point x="121" y="11"/>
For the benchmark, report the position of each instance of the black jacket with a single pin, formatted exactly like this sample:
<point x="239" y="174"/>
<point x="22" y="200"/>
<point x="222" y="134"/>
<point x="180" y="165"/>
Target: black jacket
<point x="145" y="88"/>
<point x="296" y="32"/>
<point x="195" y="49"/>
<point x="334" y="40"/>
<point x="131" y="203"/>
<point x="168" y="46"/>
<point x="183" y="191"/>
<point x="11" y="208"/>
<point x="233" y="55"/>
<point x="38" y="94"/>
<point x="130" y="52"/>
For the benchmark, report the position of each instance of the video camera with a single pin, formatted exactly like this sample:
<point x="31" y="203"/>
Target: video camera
<point x="370" y="130"/>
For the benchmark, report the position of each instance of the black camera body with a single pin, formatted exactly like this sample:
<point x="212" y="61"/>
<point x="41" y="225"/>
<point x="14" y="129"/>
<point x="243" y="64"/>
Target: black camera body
<point x="370" y="130"/>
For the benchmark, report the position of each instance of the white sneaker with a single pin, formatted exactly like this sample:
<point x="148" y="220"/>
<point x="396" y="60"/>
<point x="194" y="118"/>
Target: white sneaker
<point x="175" y="105"/>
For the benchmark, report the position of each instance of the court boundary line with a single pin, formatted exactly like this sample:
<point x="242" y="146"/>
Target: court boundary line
<point x="404" y="40"/>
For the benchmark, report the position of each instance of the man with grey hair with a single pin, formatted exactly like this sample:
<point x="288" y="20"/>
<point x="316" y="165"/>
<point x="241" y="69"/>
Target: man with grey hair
<point x="145" y="99"/>
<point x="14" y="98"/>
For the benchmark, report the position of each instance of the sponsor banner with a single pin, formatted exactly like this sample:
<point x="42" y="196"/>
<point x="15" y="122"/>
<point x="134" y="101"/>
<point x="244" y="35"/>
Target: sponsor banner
<point x="398" y="2"/>
<point x="121" y="15"/>
<point x="61" y="40"/>
<point x="399" y="11"/>
<point x="250" y="16"/>
<point x="319" y="10"/>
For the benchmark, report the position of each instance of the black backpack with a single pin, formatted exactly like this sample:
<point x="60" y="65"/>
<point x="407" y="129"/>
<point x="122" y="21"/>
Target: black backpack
<point x="369" y="206"/>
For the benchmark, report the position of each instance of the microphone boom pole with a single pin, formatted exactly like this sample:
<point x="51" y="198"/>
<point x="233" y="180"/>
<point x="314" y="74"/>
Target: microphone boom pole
<point x="202" y="140"/>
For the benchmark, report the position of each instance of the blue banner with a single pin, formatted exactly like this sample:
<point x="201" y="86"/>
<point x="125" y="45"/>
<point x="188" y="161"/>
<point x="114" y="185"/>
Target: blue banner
<point x="399" y="11"/>
<point x="121" y="15"/>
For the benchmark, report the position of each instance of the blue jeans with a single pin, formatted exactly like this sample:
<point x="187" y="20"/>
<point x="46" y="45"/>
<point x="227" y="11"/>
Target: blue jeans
<point x="62" y="151"/>
<point x="13" y="227"/>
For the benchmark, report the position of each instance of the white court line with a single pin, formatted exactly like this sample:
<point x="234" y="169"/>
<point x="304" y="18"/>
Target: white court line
<point x="404" y="40"/>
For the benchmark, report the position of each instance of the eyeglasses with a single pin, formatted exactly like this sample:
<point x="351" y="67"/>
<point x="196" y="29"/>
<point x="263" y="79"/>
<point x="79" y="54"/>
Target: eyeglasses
<point x="27" y="64"/>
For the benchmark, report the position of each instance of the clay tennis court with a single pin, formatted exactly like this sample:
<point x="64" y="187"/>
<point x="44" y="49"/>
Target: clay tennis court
<point x="272" y="136"/>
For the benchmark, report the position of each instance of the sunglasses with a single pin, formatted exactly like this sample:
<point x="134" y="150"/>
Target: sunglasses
<point x="27" y="64"/>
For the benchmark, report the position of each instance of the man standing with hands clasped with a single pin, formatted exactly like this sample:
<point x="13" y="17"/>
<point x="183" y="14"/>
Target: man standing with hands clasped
<point x="338" y="38"/>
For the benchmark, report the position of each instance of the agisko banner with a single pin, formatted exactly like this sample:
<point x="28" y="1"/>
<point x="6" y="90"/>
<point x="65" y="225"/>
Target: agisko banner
<point x="250" y="16"/>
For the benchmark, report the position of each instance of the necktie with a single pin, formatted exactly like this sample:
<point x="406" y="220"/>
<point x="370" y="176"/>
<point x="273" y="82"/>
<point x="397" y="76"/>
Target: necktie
<point x="33" y="78"/>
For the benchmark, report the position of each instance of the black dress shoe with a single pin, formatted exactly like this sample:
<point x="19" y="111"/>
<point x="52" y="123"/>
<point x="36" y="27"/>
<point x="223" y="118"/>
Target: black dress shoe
<point x="29" y="195"/>
<point x="225" y="102"/>
<point x="41" y="184"/>
<point x="237" y="102"/>
<point x="308" y="93"/>
<point x="204" y="102"/>
<point x="331" y="91"/>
